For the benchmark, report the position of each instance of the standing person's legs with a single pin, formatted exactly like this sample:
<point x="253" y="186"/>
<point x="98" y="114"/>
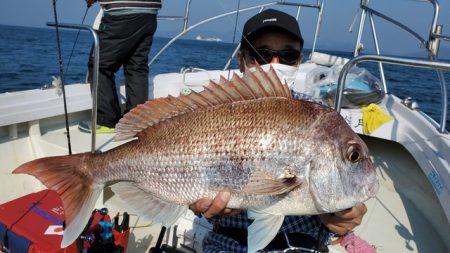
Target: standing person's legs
<point x="114" y="49"/>
<point x="136" y="66"/>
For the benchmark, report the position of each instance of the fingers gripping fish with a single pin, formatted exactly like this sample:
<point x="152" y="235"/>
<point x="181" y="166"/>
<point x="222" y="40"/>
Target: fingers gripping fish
<point x="278" y="156"/>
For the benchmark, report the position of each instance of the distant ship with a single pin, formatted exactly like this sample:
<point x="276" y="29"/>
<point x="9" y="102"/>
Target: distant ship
<point x="208" y="39"/>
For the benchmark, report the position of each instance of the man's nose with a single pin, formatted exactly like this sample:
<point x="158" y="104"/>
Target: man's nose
<point x="275" y="59"/>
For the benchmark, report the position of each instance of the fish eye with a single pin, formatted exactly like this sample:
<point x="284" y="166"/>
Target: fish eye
<point x="354" y="156"/>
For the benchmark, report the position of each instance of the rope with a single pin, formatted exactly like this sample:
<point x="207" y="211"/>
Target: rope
<point x="61" y="72"/>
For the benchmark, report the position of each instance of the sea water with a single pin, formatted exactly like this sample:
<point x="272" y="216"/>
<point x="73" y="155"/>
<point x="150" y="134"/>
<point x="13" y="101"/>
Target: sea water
<point x="29" y="58"/>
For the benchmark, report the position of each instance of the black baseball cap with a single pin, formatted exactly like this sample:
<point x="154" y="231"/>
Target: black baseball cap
<point x="271" y="18"/>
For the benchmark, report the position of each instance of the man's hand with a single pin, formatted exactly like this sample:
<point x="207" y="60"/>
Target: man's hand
<point x="339" y="222"/>
<point x="344" y="221"/>
<point x="212" y="207"/>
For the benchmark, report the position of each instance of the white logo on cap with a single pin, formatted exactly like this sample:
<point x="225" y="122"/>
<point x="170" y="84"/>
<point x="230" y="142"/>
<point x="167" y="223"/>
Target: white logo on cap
<point x="270" y="20"/>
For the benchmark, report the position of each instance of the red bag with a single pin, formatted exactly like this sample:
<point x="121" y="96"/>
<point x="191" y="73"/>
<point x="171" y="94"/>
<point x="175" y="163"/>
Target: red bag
<point x="34" y="224"/>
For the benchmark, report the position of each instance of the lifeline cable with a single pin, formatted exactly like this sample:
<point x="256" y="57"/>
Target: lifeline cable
<point x="61" y="73"/>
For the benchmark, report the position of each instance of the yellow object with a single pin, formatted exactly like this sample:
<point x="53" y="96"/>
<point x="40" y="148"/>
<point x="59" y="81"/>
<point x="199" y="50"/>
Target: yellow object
<point x="104" y="130"/>
<point x="373" y="117"/>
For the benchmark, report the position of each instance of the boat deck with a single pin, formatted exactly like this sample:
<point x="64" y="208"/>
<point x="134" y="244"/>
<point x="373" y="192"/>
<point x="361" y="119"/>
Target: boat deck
<point x="402" y="210"/>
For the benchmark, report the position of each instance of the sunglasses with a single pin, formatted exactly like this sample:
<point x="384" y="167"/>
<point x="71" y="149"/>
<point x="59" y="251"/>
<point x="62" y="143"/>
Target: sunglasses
<point x="265" y="55"/>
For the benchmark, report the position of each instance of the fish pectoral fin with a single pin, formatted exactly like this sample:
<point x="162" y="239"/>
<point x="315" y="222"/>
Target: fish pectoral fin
<point x="261" y="183"/>
<point x="262" y="230"/>
<point x="147" y="205"/>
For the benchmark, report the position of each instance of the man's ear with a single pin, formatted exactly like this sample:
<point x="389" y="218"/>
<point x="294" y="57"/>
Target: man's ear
<point x="241" y="61"/>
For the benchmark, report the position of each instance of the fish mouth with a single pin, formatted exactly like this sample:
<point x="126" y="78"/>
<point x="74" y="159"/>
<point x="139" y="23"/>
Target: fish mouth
<point x="357" y="198"/>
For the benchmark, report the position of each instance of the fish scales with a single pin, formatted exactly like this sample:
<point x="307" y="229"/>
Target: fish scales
<point x="200" y="153"/>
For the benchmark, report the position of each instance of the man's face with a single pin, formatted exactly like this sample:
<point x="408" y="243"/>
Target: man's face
<point x="271" y="47"/>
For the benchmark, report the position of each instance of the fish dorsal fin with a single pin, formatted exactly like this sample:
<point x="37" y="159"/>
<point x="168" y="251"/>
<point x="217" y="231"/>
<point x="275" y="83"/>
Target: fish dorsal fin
<point x="254" y="84"/>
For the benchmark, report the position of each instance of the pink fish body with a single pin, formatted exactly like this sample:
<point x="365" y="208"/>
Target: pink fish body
<point x="276" y="155"/>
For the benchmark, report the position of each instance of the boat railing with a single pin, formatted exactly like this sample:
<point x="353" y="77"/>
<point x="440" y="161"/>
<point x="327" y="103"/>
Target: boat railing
<point x="94" y="83"/>
<point x="438" y="66"/>
<point x="431" y="44"/>
<point x="186" y="29"/>
<point x="184" y="18"/>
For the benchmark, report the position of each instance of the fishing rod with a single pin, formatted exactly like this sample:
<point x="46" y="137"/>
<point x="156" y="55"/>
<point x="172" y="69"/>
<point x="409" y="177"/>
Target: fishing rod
<point x="234" y="32"/>
<point x="76" y="40"/>
<point x="61" y="68"/>
<point x="61" y="73"/>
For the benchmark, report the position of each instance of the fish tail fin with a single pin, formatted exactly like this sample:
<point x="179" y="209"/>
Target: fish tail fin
<point x="72" y="179"/>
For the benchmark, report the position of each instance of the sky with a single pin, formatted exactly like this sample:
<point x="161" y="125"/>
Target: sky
<point x="334" y="35"/>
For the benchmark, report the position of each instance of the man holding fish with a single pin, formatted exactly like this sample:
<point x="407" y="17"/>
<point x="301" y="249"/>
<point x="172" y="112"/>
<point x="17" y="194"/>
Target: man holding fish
<point x="272" y="37"/>
<point x="246" y="143"/>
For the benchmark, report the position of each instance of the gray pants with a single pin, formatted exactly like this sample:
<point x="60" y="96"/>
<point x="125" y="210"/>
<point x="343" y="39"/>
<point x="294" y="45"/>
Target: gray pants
<point x="124" y="40"/>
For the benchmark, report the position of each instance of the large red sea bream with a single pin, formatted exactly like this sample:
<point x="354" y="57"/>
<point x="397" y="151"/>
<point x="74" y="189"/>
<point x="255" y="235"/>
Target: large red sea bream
<point x="278" y="156"/>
